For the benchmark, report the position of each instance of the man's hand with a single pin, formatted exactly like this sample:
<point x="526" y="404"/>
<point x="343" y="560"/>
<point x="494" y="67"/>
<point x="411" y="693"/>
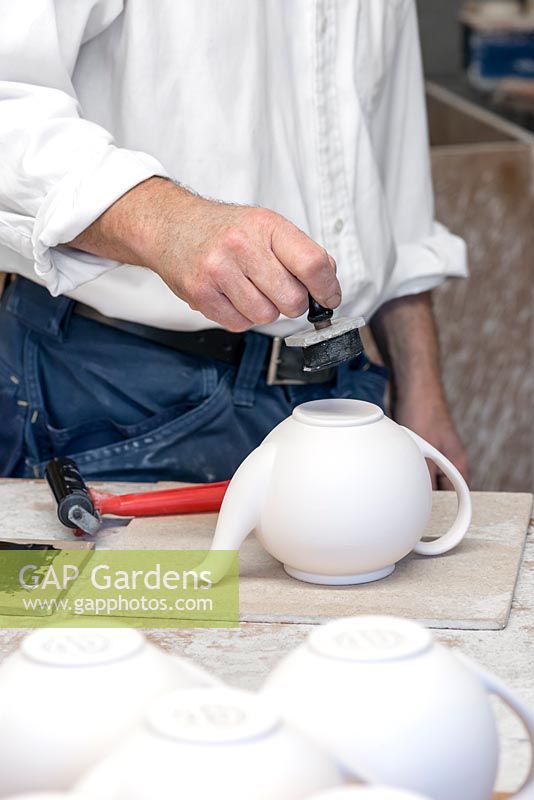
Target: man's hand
<point x="240" y="266"/>
<point x="405" y="332"/>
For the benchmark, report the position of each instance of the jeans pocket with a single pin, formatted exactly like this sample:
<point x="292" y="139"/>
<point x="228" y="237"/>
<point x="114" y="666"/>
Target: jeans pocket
<point x="12" y="422"/>
<point x="106" y="432"/>
<point x="170" y="446"/>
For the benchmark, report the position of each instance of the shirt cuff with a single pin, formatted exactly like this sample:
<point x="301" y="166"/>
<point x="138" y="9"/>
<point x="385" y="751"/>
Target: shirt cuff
<point x="73" y="204"/>
<point x="423" y="265"/>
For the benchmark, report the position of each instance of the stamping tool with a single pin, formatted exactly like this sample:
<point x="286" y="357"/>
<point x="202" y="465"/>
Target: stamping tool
<point x="328" y="343"/>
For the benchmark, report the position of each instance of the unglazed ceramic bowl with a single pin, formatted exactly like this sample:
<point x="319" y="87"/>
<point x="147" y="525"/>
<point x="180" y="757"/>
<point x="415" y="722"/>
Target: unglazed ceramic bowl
<point x="218" y="743"/>
<point x="393" y="706"/>
<point x="68" y="695"/>
<point x="339" y="494"/>
<point x="51" y="796"/>
<point x="367" y="793"/>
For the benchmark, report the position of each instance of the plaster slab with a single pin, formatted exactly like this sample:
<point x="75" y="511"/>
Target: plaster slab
<point x="470" y="588"/>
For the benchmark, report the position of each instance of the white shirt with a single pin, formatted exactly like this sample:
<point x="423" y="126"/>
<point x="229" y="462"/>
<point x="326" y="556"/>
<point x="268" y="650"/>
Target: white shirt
<point x="313" y="108"/>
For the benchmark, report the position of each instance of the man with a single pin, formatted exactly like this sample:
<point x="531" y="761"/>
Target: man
<point x="141" y="331"/>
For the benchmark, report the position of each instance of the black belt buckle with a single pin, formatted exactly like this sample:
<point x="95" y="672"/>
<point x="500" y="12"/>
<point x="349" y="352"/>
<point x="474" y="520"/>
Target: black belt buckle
<point x="285" y="367"/>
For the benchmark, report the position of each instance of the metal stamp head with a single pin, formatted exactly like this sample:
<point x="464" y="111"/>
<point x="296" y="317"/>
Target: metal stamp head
<point x="331" y="346"/>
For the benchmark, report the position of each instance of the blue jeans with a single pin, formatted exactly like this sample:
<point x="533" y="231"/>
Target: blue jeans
<point x="128" y="409"/>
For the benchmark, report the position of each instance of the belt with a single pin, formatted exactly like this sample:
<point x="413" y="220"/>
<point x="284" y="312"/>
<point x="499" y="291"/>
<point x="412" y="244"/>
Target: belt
<point x="284" y="365"/>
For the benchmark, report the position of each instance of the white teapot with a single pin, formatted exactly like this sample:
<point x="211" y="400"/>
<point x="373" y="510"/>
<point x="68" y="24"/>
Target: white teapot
<point x="68" y="695"/>
<point x="338" y="493"/>
<point x="393" y="706"/>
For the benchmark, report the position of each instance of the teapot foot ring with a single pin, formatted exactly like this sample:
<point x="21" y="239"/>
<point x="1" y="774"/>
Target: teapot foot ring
<point x="339" y="580"/>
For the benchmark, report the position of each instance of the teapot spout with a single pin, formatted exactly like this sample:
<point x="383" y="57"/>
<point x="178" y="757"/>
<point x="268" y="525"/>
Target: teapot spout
<point x="241" y="509"/>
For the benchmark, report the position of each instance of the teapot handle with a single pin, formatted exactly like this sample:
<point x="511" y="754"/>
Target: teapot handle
<point x="495" y="686"/>
<point x="460" y="526"/>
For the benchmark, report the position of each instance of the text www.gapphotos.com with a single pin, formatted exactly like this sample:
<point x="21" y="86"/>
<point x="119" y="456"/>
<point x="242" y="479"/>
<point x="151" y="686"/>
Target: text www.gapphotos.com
<point x="107" y="606"/>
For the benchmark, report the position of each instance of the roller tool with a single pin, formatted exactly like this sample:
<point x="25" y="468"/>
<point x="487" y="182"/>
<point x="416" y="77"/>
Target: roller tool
<point x="82" y="508"/>
<point x="328" y="343"/>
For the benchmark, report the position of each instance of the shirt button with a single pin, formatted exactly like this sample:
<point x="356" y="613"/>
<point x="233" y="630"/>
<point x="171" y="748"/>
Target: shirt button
<point x="339" y="225"/>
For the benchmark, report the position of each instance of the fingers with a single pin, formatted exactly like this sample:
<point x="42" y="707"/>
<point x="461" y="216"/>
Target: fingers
<point x="233" y="301"/>
<point x="273" y="280"/>
<point x="434" y="474"/>
<point x="246" y="297"/>
<point x="461" y="462"/>
<point x="440" y="482"/>
<point x="307" y="261"/>
<point x="444" y="484"/>
<point x="215" y="306"/>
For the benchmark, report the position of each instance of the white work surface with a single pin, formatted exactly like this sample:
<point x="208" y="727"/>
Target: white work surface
<point x="470" y="588"/>
<point x="244" y="656"/>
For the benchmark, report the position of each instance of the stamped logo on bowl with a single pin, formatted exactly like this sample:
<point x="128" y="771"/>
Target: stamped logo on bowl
<point x="212" y="716"/>
<point x="370" y="639"/>
<point x="71" y="647"/>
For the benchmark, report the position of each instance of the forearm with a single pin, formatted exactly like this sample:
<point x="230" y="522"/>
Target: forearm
<point x="129" y="230"/>
<point x="406" y="335"/>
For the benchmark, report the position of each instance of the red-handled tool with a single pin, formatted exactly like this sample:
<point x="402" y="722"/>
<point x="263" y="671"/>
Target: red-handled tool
<point x="199" y="499"/>
<point x="82" y="508"/>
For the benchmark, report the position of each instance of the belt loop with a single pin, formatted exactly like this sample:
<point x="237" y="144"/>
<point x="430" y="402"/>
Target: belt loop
<point x="36" y="308"/>
<point x="250" y="369"/>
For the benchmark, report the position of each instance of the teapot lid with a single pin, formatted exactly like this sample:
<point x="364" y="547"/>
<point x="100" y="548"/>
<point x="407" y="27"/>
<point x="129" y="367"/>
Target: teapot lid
<point x="370" y="638"/>
<point x="212" y="716"/>
<point x="337" y="413"/>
